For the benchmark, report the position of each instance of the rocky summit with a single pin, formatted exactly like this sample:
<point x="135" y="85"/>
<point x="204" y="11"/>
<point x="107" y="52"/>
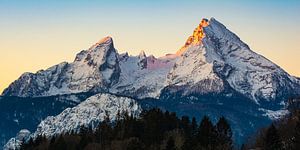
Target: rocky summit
<point x="215" y="73"/>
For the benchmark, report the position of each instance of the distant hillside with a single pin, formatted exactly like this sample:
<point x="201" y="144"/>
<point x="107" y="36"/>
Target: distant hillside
<point x="153" y="130"/>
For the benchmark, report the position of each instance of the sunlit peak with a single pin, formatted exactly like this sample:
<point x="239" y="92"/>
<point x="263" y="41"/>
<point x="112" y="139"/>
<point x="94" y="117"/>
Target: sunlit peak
<point x="197" y="36"/>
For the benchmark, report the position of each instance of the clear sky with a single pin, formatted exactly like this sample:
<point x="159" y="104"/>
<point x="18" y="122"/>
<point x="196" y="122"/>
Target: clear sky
<point x="36" y="34"/>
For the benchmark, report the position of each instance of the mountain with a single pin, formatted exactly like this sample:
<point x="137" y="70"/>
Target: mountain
<point x="19" y="113"/>
<point x="215" y="60"/>
<point x="98" y="69"/>
<point x="87" y="114"/>
<point x="142" y="76"/>
<point x="214" y="73"/>
<point x="94" y="69"/>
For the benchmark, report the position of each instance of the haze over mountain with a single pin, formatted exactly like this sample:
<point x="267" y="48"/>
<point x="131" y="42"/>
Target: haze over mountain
<point x="214" y="73"/>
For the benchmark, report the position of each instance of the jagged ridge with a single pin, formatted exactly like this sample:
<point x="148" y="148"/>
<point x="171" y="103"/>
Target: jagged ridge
<point x="213" y="61"/>
<point x="87" y="114"/>
<point x="220" y="59"/>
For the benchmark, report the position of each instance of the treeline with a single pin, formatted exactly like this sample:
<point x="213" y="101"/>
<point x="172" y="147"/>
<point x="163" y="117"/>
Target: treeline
<point x="153" y="130"/>
<point x="283" y="134"/>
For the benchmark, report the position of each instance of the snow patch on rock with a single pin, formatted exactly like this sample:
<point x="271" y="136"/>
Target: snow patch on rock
<point x="87" y="114"/>
<point x="15" y="143"/>
<point x="274" y="114"/>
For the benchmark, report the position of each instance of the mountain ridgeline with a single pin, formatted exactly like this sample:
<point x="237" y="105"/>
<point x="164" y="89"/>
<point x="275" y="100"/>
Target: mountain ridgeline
<point x="154" y="129"/>
<point x="213" y="60"/>
<point x="214" y="74"/>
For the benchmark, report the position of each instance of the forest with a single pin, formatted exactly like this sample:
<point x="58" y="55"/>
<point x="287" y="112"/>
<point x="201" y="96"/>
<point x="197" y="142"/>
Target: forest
<point x="159" y="130"/>
<point x="283" y="134"/>
<point x="154" y="129"/>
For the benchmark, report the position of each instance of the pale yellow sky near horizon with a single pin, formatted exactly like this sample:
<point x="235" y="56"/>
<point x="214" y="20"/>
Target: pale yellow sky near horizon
<point x="37" y="35"/>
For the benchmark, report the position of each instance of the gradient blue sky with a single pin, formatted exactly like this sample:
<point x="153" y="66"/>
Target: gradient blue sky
<point x="35" y="34"/>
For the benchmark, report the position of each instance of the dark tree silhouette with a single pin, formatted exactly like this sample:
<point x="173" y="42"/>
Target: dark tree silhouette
<point x="170" y="144"/>
<point x="59" y="144"/>
<point x="207" y="136"/>
<point x="224" y="134"/>
<point x="297" y="135"/>
<point x="154" y="129"/>
<point x="272" y="139"/>
<point x="135" y="144"/>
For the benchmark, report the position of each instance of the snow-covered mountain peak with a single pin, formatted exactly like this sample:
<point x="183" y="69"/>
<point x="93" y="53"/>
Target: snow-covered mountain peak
<point x="142" y="55"/>
<point x="102" y="59"/>
<point x="196" y="37"/>
<point x="214" y="60"/>
<point x="211" y="27"/>
<point x="213" y="64"/>
<point x="123" y="56"/>
<point x="97" y="51"/>
<point x="216" y="30"/>
<point x="142" y="60"/>
<point x="105" y="41"/>
<point x="95" y="69"/>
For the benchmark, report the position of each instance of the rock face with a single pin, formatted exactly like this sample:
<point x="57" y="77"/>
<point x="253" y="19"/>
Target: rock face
<point x="142" y="76"/>
<point x="142" y="60"/>
<point x="221" y="61"/>
<point x="19" y="113"/>
<point x="196" y="38"/>
<point x="212" y="61"/>
<point x="98" y="69"/>
<point x="95" y="69"/>
<point x="15" y="143"/>
<point x="193" y="74"/>
<point x="87" y="114"/>
<point x="214" y="74"/>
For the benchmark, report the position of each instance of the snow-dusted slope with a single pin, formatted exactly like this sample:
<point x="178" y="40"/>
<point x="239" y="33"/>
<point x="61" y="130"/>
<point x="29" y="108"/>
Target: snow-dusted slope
<point x="94" y="69"/>
<point x="15" y="143"/>
<point x="143" y="76"/>
<point x="88" y="114"/>
<point x="213" y="60"/>
<point x="193" y="74"/>
<point x="220" y="58"/>
<point x="98" y="69"/>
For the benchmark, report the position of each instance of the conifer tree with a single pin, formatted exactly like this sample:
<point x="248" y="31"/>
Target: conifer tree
<point x="59" y="144"/>
<point x="185" y="125"/>
<point x="170" y="144"/>
<point x="224" y="134"/>
<point x="296" y="143"/>
<point x="105" y="131"/>
<point x="194" y="126"/>
<point x="27" y="145"/>
<point x="206" y="134"/>
<point x="135" y="144"/>
<point x="145" y="132"/>
<point x="272" y="139"/>
<point x="51" y="144"/>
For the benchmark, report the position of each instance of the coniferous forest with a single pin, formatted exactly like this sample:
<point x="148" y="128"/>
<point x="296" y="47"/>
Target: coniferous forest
<point x="154" y="129"/>
<point x="283" y="134"/>
<point x="158" y="130"/>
